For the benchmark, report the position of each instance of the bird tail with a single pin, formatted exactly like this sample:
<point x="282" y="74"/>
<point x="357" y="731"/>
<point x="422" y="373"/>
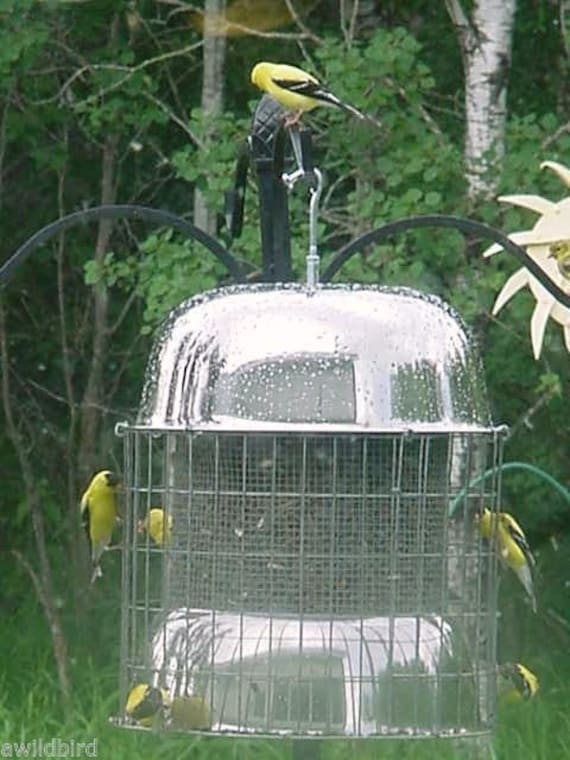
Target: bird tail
<point x="97" y="572"/>
<point x="324" y="96"/>
<point x="525" y="577"/>
<point x="359" y="114"/>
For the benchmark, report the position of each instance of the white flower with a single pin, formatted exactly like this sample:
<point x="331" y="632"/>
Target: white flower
<point x="553" y="227"/>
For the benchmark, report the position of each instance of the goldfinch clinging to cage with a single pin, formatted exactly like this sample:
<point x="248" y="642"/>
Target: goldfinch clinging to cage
<point x="516" y="683"/>
<point x="297" y="91"/>
<point x="191" y="712"/>
<point x="99" y="514"/>
<point x="560" y="251"/>
<point x="146" y="704"/>
<point x="154" y="524"/>
<point x="513" y="547"/>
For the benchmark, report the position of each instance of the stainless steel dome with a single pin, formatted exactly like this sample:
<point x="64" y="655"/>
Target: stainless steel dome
<point x="334" y="357"/>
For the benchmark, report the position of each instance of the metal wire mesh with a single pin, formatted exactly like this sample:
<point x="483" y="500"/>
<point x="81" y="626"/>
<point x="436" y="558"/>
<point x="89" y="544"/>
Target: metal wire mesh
<point x="314" y="583"/>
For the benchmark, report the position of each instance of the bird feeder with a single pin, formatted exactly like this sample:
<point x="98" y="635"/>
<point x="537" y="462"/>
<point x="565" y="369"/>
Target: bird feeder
<point x="319" y="454"/>
<point x="317" y="451"/>
<point x="307" y="445"/>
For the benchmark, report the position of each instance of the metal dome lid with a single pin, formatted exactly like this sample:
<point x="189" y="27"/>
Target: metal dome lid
<point x="335" y="357"/>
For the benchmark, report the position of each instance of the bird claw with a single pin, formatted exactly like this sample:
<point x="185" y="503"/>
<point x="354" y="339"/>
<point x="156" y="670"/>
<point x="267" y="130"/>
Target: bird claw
<point x="292" y="119"/>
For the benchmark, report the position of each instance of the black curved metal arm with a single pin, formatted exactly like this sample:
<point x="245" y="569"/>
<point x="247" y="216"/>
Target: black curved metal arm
<point x="126" y="211"/>
<point x="451" y="222"/>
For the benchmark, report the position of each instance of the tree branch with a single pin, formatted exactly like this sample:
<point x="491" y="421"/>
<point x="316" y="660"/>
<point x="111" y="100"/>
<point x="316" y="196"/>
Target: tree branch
<point x="3" y="144"/>
<point x="43" y="582"/>
<point x="348" y="29"/>
<point x="58" y="639"/>
<point x="305" y="31"/>
<point x="174" y="118"/>
<point x="129" y="72"/>
<point x="565" y="25"/>
<point x="93" y="389"/>
<point x="93" y="393"/>
<point x="525" y="420"/>
<point x="458" y="18"/>
<point x="562" y="130"/>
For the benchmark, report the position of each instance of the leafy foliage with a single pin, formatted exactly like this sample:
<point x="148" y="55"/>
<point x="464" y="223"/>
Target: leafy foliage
<point x="106" y="89"/>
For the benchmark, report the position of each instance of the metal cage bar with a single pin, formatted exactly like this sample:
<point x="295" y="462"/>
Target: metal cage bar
<point x="314" y="583"/>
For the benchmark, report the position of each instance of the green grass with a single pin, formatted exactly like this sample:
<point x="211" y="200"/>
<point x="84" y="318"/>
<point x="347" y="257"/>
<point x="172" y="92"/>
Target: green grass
<point x="538" y="730"/>
<point x="30" y="705"/>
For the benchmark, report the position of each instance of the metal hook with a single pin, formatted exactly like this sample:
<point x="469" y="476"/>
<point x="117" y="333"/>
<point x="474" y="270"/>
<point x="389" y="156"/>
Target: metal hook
<point x="301" y="142"/>
<point x="302" y="150"/>
<point x="313" y="257"/>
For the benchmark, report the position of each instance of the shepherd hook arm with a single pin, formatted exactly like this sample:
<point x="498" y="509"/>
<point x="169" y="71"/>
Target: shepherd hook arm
<point x="126" y="211"/>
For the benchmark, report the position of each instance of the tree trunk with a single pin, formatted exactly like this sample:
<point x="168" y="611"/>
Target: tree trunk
<point x="42" y="579"/>
<point x="88" y="460"/>
<point x="93" y="395"/>
<point x="214" y="54"/>
<point x="485" y="39"/>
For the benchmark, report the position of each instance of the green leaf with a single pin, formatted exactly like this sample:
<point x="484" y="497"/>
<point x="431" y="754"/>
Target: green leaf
<point x="93" y="273"/>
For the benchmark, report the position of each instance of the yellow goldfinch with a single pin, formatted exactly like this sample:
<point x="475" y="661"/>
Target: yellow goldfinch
<point x="516" y="683"/>
<point x="154" y="524"/>
<point x="192" y="712"/>
<point x="561" y="252"/>
<point x="514" y="551"/>
<point x="146" y="703"/>
<point x="296" y="90"/>
<point x="99" y="512"/>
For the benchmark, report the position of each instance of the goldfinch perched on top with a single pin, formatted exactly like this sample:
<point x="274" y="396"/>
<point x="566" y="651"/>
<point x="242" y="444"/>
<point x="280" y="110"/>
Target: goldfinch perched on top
<point x="514" y="551"/>
<point x="516" y="683"/>
<point x="297" y="91"/>
<point x="154" y="524"/>
<point x="99" y="513"/>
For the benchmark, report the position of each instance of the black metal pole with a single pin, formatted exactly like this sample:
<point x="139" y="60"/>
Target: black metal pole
<point x="267" y="144"/>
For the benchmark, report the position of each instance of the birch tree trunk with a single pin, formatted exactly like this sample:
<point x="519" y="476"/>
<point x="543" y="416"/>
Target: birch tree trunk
<point x="485" y="39"/>
<point x="214" y="54"/>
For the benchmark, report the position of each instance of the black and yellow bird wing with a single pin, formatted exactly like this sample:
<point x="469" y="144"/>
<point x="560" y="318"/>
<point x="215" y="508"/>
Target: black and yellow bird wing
<point x="522" y="685"/>
<point x="515" y="532"/>
<point x="86" y="518"/>
<point x="149" y="706"/>
<point x="309" y="89"/>
<point x="521" y="681"/>
<point x="312" y="88"/>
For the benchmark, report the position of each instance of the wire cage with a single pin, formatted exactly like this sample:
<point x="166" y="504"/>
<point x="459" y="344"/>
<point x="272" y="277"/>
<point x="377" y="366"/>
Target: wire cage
<point x="317" y="454"/>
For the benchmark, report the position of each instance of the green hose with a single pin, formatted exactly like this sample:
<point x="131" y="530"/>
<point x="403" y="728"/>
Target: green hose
<point x="503" y="468"/>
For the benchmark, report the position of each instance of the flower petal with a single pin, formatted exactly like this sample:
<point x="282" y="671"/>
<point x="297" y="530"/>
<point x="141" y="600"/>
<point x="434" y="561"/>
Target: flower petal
<point x="516" y="282"/>
<point x="538" y="324"/>
<point x="533" y="202"/>
<point x="561" y="171"/>
<point x="567" y="337"/>
<point x="523" y="238"/>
